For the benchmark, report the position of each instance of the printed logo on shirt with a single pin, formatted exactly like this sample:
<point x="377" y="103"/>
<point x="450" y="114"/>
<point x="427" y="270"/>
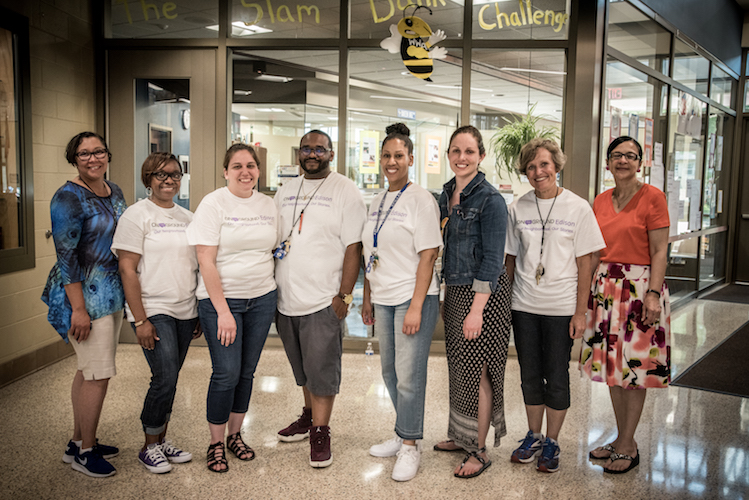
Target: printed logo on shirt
<point x="168" y="227"/>
<point x="552" y="224"/>
<point x="318" y="200"/>
<point x="394" y="216"/>
<point x="258" y="220"/>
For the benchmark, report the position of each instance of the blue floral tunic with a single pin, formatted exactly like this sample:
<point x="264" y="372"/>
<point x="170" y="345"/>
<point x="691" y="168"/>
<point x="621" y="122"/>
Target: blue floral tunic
<point x="83" y="225"/>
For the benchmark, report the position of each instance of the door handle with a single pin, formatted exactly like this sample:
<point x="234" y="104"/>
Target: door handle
<point x="745" y="216"/>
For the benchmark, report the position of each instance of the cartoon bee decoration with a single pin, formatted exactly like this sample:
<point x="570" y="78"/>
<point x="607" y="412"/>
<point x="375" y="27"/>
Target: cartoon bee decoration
<point x="415" y="41"/>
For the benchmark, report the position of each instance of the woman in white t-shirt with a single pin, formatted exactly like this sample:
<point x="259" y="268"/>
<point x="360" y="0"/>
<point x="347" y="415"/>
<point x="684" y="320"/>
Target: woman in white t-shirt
<point x="551" y="237"/>
<point x="401" y="240"/>
<point x="234" y="229"/>
<point x="159" y="271"/>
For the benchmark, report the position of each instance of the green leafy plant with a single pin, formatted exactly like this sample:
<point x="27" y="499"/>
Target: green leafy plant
<point x="507" y="142"/>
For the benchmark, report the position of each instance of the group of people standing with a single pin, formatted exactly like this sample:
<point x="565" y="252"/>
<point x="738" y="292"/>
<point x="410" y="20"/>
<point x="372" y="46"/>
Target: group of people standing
<point x="244" y="259"/>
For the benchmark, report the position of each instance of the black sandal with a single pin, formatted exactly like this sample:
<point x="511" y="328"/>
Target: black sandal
<point x="215" y="462"/>
<point x="240" y="449"/>
<point x="475" y="454"/>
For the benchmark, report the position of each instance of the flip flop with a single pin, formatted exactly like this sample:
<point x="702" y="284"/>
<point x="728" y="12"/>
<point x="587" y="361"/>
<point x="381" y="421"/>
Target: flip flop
<point x="438" y="448"/>
<point x="634" y="462"/>
<point x="484" y="464"/>
<point x="606" y="447"/>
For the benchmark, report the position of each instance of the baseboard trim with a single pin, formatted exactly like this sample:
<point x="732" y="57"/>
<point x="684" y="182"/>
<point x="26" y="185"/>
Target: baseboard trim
<point x="24" y="365"/>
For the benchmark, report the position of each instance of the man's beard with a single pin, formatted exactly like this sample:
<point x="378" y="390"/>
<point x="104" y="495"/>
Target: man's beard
<point x="315" y="169"/>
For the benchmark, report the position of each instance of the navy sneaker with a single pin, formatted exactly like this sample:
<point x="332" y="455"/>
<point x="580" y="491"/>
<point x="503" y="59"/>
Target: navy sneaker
<point x="528" y="450"/>
<point x="72" y="449"/>
<point x="93" y="464"/>
<point x="70" y="452"/>
<point x="549" y="459"/>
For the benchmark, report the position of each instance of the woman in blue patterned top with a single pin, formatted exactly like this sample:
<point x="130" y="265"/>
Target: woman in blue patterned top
<point x="84" y="292"/>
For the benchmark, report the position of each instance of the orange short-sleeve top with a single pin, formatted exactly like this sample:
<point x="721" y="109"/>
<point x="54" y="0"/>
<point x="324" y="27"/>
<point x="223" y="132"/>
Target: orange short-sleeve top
<point x="626" y="232"/>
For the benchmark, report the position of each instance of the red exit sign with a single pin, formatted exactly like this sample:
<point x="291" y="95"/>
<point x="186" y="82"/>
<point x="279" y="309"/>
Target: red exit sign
<point x="615" y="93"/>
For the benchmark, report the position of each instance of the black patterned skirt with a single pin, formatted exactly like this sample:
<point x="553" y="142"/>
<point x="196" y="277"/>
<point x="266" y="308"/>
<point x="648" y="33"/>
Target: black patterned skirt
<point x="466" y="359"/>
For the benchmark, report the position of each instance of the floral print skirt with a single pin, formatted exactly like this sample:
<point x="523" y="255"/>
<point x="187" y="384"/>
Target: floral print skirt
<point x="618" y="348"/>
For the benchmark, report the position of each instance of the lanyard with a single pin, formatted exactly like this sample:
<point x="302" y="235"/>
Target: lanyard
<point x="300" y="219"/>
<point x="378" y="225"/>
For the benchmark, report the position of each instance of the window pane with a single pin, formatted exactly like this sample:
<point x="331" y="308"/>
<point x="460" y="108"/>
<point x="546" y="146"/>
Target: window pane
<point x="630" y="101"/>
<point x="10" y="176"/>
<point x="505" y="86"/>
<point x="685" y="161"/>
<point x="429" y="109"/>
<point x="721" y="87"/>
<point x="523" y="20"/>
<point x="716" y="185"/>
<point x="633" y="33"/>
<point x="157" y="19"/>
<point x="277" y="98"/>
<point x="290" y="19"/>
<point x="690" y="68"/>
<point x="681" y="271"/>
<point x="376" y="19"/>
<point x="712" y="259"/>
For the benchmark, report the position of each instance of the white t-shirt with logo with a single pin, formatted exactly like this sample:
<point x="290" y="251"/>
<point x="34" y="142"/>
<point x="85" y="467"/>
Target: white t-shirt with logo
<point x="309" y="276"/>
<point x="244" y="229"/>
<point x="168" y="267"/>
<point x="571" y="232"/>
<point x="412" y="226"/>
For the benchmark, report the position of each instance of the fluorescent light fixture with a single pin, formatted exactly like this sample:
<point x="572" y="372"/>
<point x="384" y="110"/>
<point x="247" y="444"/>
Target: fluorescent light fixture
<point x="242" y="92"/>
<point x="243" y="117"/>
<point x="397" y="98"/>
<point x="366" y="110"/>
<point x="524" y="70"/>
<point x="270" y="110"/>
<point x="274" y="78"/>
<point x="456" y="87"/>
<point x="153" y="86"/>
<point x="240" y="28"/>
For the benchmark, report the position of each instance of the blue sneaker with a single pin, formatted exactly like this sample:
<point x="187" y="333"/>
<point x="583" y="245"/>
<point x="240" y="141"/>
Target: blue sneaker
<point x="72" y="449"/>
<point x="528" y="450"/>
<point x="549" y="459"/>
<point x="154" y="460"/>
<point x="93" y="464"/>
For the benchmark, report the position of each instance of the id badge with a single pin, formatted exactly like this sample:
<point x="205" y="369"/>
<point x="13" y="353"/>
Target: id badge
<point x="282" y="250"/>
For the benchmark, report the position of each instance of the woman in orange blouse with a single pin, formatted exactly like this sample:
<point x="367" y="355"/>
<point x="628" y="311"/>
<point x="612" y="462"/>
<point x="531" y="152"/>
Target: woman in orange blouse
<point x="627" y="343"/>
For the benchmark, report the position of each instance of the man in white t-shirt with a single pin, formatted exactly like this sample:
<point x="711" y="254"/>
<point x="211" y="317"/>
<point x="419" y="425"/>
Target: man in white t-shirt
<point x="317" y="262"/>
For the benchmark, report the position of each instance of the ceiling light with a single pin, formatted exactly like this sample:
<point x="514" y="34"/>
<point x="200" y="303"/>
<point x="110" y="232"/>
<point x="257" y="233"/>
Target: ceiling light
<point x="242" y="92"/>
<point x="240" y="28"/>
<point x="548" y="72"/>
<point x="366" y="110"/>
<point x="270" y="110"/>
<point x="274" y="78"/>
<point x="397" y="98"/>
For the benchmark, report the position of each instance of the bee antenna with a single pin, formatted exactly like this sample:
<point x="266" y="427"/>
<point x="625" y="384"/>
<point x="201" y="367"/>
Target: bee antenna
<point x="422" y="7"/>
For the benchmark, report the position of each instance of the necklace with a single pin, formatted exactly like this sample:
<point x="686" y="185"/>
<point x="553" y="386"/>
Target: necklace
<point x="110" y="208"/>
<point x="621" y="203"/>
<point x="540" y="268"/>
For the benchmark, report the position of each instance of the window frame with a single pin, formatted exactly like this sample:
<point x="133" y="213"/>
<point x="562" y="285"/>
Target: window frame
<point x="24" y="256"/>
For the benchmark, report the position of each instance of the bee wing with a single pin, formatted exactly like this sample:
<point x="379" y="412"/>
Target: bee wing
<point x="393" y="43"/>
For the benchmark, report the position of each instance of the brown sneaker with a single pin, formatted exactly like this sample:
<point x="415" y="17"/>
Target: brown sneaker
<point x="299" y="429"/>
<point x="319" y="453"/>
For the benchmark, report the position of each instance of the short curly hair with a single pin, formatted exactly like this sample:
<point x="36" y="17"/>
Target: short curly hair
<point x="153" y="162"/>
<point x="529" y="151"/>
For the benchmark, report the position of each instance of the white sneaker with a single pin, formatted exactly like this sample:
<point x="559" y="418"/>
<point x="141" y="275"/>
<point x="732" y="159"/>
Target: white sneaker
<point x="387" y="449"/>
<point x="407" y="464"/>
<point x="174" y="454"/>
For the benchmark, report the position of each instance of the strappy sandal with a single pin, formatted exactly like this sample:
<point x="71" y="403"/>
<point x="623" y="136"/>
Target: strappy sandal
<point x="605" y="447"/>
<point x="437" y="447"/>
<point x="240" y="449"/>
<point x="214" y="461"/>
<point x="475" y="454"/>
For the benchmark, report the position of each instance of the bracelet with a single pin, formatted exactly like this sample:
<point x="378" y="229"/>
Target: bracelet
<point x="139" y="323"/>
<point x="655" y="292"/>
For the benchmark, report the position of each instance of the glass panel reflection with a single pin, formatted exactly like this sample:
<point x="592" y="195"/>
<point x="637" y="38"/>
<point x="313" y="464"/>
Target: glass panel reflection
<point x="288" y="19"/>
<point x="690" y="68"/>
<point x="712" y="259"/>
<point x="160" y="19"/>
<point x="638" y="36"/>
<point x="10" y="177"/>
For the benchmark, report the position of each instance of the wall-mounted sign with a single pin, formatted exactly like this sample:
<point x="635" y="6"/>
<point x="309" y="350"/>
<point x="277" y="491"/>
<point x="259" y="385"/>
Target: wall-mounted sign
<point x="615" y="93"/>
<point x="434" y="145"/>
<point x="523" y="15"/>
<point x="407" y="114"/>
<point x="415" y="41"/>
<point x="368" y="140"/>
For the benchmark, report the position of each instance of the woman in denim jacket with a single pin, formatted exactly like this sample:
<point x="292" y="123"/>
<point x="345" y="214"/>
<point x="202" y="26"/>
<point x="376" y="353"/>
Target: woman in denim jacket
<point x="477" y="303"/>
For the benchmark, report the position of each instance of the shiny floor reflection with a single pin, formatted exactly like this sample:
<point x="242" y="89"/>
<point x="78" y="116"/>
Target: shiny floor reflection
<point x="693" y="444"/>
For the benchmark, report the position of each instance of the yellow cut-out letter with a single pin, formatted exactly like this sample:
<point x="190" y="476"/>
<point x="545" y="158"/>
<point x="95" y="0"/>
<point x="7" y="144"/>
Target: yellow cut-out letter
<point x="308" y="9"/>
<point x="127" y="11"/>
<point x="280" y="14"/>
<point x="374" y="12"/>
<point x="482" y="23"/>
<point x="402" y="7"/>
<point x="167" y="7"/>
<point x="560" y="19"/>
<point x="256" y="6"/>
<point x="515" y="20"/>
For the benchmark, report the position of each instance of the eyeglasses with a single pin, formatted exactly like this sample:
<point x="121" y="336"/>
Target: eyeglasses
<point x="629" y="156"/>
<point x="161" y="175"/>
<point x="97" y="153"/>
<point x="319" y="151"/>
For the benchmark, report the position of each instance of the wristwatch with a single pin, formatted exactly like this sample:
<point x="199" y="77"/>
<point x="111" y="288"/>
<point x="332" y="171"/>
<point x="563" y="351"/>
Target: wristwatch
<point x="347" y="298"/>
<point x="139" y="323"/>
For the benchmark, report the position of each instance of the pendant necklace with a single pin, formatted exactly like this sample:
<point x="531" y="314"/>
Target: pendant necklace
<point x="374" y="259"/>
<point x="540" y="268"/>
<point x="110" y="208"/>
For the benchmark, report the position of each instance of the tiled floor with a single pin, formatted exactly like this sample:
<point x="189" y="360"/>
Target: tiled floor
<point x="693" y="444"/>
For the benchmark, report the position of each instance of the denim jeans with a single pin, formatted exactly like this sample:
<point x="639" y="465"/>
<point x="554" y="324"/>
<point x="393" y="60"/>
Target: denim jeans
<point x="543" y="344"/>
<point x="165" y="361"/>
<point x="404" y="362"/>
<point x="234" y="365"/>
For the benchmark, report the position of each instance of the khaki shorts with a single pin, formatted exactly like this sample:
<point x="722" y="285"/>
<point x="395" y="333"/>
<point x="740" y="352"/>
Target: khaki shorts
<point x="96" y="353"/>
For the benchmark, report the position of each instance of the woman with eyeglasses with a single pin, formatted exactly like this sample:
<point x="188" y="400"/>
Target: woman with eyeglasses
<point x="627" y="342"/>
<point x="401" y="294"/>
<point x="84" y="292"/>
<point x="159" y="272"/>
<point x="234" y="231"/>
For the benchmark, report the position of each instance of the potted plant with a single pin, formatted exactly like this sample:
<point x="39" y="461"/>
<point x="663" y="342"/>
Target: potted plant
<point x="507" y="142"/>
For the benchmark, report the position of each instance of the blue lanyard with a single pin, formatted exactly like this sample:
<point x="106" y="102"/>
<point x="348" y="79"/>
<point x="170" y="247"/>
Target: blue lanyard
<point x="378" y="226"/>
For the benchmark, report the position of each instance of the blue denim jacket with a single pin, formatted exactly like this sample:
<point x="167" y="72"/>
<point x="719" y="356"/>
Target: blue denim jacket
<point x="474" y="235"/>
